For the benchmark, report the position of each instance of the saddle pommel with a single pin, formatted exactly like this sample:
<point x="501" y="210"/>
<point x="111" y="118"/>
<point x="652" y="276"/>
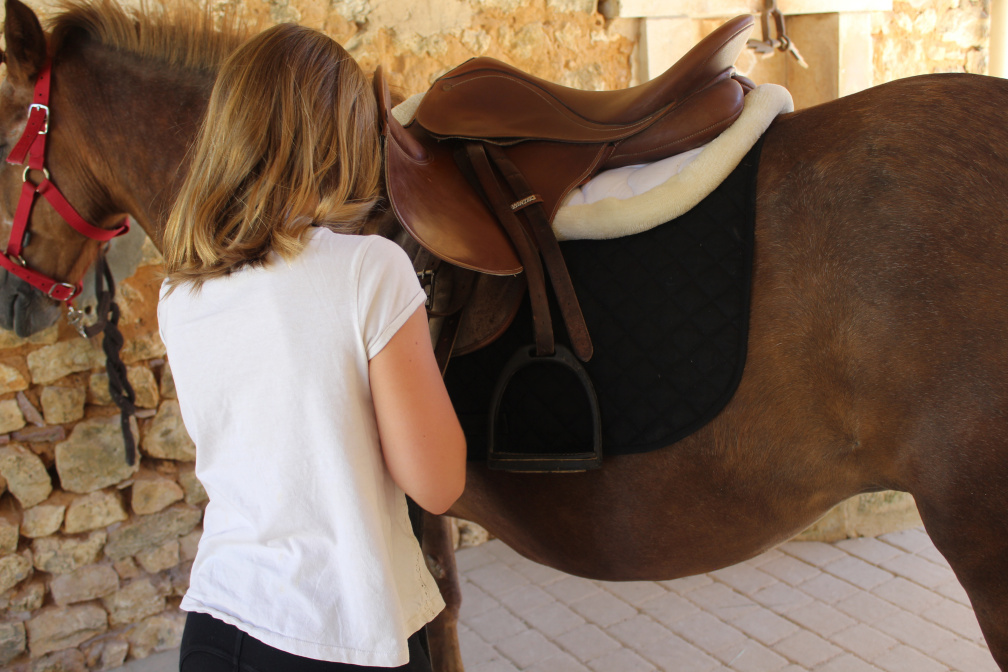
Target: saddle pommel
<point x="435" y="202"/>
<point x="389" y="124"/>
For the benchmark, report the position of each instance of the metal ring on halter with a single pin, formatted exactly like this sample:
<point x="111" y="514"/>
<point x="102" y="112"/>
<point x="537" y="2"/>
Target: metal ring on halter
<point x="17" y="258"/>
<point x="24" y="176"/>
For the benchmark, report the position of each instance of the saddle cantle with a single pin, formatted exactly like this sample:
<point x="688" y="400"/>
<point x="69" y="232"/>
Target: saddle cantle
<point x="477" y="177"/>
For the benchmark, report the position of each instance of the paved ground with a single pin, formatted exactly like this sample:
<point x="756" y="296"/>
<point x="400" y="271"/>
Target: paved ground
<point x="861" y="605"/>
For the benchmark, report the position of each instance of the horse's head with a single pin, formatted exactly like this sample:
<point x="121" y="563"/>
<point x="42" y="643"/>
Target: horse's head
<point x="51" y="225"/>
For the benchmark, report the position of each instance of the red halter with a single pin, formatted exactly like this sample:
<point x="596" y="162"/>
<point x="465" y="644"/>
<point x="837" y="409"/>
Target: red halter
<point x="32" y="145"/>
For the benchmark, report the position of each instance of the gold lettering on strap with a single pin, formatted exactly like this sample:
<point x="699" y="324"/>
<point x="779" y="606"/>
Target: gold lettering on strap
<point x="528" y="200"/>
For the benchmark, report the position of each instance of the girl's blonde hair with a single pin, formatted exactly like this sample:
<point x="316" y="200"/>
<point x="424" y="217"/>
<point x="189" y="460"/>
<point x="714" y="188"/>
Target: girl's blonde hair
<point x="290" y="140"/>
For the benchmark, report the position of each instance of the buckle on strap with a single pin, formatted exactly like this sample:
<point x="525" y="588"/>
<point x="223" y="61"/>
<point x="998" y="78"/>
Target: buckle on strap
<point x="63" y="291"/>
<point x="45" y="110"/>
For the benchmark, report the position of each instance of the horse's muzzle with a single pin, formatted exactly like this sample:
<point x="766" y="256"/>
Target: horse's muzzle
<point x="24" y="309"/>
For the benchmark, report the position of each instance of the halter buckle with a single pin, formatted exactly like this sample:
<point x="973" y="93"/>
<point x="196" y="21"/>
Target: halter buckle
<point x="73" y="289"/>
<point x="45" y="109"/>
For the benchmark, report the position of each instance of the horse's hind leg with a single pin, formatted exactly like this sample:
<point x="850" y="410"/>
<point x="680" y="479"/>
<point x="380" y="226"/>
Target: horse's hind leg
<point x="966" y="516"/>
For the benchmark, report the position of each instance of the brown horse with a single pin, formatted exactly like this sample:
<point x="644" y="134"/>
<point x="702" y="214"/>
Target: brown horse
<point x="877" y="356"/>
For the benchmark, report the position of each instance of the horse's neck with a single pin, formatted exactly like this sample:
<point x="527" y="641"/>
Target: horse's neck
<point x="138" y="119"/>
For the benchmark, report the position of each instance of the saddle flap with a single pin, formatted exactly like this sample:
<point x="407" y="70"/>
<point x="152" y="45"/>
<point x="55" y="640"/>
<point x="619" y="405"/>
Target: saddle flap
<point x="434" y="201"/>
<point x="487" y="99"/>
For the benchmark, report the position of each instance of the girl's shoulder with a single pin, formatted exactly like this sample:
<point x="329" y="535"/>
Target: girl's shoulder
<point x="367" y="250"/>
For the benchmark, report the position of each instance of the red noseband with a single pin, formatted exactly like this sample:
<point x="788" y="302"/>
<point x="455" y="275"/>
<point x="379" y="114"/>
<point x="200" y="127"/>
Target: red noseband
<point x="30" y="152"/>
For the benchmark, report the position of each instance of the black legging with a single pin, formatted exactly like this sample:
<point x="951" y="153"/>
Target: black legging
<point x="208" y="645"/>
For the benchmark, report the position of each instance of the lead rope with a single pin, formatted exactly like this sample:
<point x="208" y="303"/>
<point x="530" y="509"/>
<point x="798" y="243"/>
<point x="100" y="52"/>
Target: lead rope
<point x="108" y="323"/>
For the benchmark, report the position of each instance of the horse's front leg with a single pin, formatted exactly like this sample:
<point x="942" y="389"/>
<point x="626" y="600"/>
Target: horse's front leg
<point x="442" y="633"/>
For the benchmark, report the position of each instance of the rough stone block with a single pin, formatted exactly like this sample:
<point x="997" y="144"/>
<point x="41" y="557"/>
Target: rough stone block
<point x="11" y="417"/>
<point x="8" y="339"/>
<point x="86" y="583"/>
<point x="12" y="641"/>
<point x="157" y="633"/>
<point x="93" y="511"/>
<point x="152" y="493"/>
<point x="49" y="434"/>
<point x="166" y="438"/>
<point x="194" y="491"/>
<point x="140" y="377"/>
<point x="154" y="560"/>
<point x="31" y="414"/>
<point x="27" y="598"/>
<point x="68" y="660"/>
<point x="62" y="404"/>
<point x="94" y="456"/>
<point x="11" y="380"/>
<point x="52" y="362"/>
<point x="152" y="531"/>
<point x="127" y="569"/>
<point x="63" y="556"/>
<point x="13" y="570"/>
<point x="42" y="520"/>
<point x="26" y="475"/>
<point x="167" y="383"/>
<point x="106" y="654"/>
<point x="10" y="525"/>
<point x="189" y="544"/>
<point x="144" y="385"/>
<point x="57" y="628"/>
<point x="133" y="602"/>
<point x="179" y="577"/>
<point x="144" y="346"/>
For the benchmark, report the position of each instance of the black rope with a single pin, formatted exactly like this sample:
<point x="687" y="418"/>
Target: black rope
<point x="108" y="323"/>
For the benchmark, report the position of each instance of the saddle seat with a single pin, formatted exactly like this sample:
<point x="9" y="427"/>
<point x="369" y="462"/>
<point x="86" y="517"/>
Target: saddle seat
<point x="490" y="100"/>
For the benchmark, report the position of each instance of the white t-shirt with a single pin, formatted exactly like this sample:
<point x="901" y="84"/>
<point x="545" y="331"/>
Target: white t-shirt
<point x="306" y="540"/>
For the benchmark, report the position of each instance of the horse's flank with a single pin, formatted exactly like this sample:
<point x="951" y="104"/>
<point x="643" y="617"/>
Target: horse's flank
<point x="178" y="33"/>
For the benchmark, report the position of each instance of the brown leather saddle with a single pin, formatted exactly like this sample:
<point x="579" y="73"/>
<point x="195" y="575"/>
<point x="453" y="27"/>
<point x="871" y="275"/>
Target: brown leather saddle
<point x="477" y="177"/>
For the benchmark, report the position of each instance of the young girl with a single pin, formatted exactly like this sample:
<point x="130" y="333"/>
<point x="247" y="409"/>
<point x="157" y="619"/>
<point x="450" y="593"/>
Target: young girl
<point x="305" y="375"/>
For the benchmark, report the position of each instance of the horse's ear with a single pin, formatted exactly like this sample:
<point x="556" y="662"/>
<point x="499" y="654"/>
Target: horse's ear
<point x="26" y="43"/>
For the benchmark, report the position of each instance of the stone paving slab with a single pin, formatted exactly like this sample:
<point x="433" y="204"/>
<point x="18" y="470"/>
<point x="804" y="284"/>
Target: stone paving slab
<point x="885" y="604"/>
<point x="888" y="604"/>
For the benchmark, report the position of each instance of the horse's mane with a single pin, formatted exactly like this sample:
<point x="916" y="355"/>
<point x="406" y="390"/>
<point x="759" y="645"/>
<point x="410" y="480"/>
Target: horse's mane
<point x="176" y="33"/>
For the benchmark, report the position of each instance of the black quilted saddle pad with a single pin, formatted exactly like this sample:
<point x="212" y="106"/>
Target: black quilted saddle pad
<point x="668" y="313"/>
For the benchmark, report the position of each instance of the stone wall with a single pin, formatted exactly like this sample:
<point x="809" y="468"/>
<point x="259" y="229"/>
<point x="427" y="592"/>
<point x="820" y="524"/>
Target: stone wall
<point x="925" y="36"/>
<point x="95" y="555"/>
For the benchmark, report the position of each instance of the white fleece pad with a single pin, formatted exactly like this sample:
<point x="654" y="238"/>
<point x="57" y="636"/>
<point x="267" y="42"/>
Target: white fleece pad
<point x="673" y="186"/>
<point x="632" y="199"/>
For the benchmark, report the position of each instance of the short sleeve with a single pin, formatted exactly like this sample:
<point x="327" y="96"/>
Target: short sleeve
<point x="388" y="293"/>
